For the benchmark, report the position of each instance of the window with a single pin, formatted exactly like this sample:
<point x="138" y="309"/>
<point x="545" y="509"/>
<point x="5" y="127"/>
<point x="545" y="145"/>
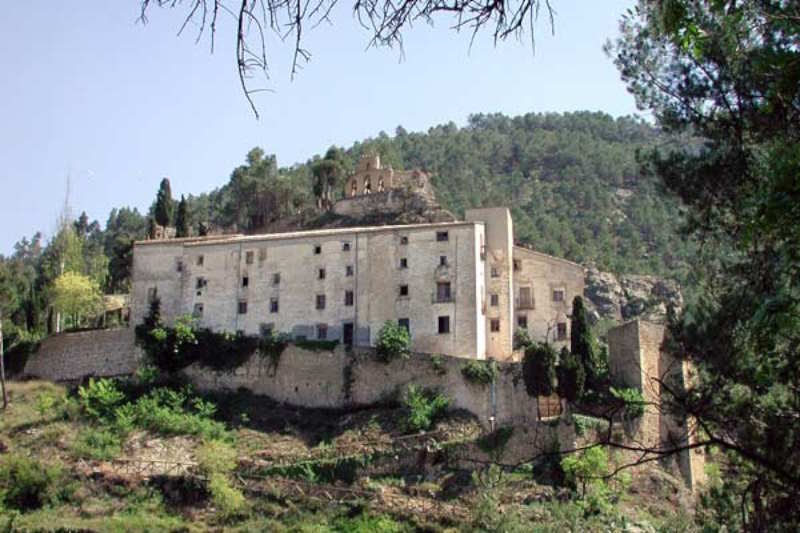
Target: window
<point x="404" y="239"/>
<point x="345" y="246"/>
<point x="495" y="272"/>
<point x="444" y="324"/>
<point x="197" y="312"/>
<point x="262" y="254"/>
<point x="443" y="260"/>
<point x="152" y="294"/>
<point x="403" y="262"/>
<point x="200" y="283"/>
<point x="442" y="236"/>
<point x="404" y="323"/>
<point x="321" y="273"/>
<point x="517" y="265"/>
<point x="522" y="321"/>
<point x="273" y="305"/>
<point x="348" y="298"/>
<point x="317" y="249"/>
<point x="403" y="290"/>
<point x="494" y="300"/>
<point x="558" y="295"/>
<point x="443" y="291"/>
<point x="562" y="331"/>
<point x="525" y="298"/>
<point x="242" y="308"/>
<point x="276" y="278"/>
<point x="348" y="270"/>
<point x="248" y="257"/>
<point x="322" y="332"/>
<point x="245" y="281"/>
<point x="320" y="301"/>
<point x="179" y="265"/>
<point x="494" y="325"/>
<point x="199" y="260"/>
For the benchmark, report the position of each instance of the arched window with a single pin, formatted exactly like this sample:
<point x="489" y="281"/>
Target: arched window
<point x="353" y="187"/>
<point x="367" y="185"/>
<point x="380" y="185"/>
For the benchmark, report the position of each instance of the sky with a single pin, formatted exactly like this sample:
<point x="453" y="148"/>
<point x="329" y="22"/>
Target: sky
<point x="91" y="93"/>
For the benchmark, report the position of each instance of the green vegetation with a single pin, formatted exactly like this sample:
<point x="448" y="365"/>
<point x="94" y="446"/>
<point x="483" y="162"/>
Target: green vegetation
<point x="393" y="342"/>
<point x="26" y="483"/>
<point x="493" y="443"/>
<point x="480" y="372"/>
<point x="423" y="408"/>
<point x="571" y="376"/>
<point x="539" y="369"/>
<point x="632" y="401"/>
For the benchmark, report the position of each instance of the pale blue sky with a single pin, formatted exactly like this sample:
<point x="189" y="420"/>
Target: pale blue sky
<point x="88" y="91"/>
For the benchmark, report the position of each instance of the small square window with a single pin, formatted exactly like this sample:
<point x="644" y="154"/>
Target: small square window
<point x="443" y="260"/>
<point x="404" y="239"/>
<point x="403" y="290"/>
<point x="197" y="312"/>
<point x="494" y="300"/>
<point x="245" y="281"/>
<point x="242" y="308"/>
<point x="444" y="324"/>
<point x="494" y="325"/>
<point x="321" y="273"/>
<point x="248" y="257"/>
<point x="522" y="321"/>
<point x="558" y="295"/>
<point x="200" y="283"/>
<point x="273" y="305"/>
<point x="345" y="246"/>
<point x="276" y="278"/>
<point x="404" y="323"/>
<point x="322" y="332"/>
<point x="442" y="236"/>
<point x="443" y="293"/>
<point x="495" y="272"/>
<point x="348" y="298"/>
<point x="320" y="301"/>
<point x="200" y="260"/>
<point x="348" y="270"/>
<point x="517" y="265"/>
<point x="317" y="249"/>
<point x="179" y="265"/>
<point x="262" y="254"/>
<point x="562" y="331"/>
<point x="403" y="262"/>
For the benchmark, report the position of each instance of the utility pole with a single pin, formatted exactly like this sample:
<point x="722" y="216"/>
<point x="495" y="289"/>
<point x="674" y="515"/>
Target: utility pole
<point x="2" y="364"/>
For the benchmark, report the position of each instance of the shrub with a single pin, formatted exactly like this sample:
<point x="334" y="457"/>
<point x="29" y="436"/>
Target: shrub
<point x="25" y="483"/>
<point x="100" y="398"/>
<point x="216" y="457"/>
<point x="393" y="342"/>
<point x="480" y="372"/>
<point x="633" y="402"/>
<point x="495" y="442"/>
<point x="538" y="369"/>
<point x="229" y="501"/>
<point x="45" y="403"/>
<point x="585" y="467"/>
<point x="147" y="374"/>
<point x="423" y="408"/>
<point x="97" y="443"/>
<point x="438" y="364"/>
<point x="167" y="411"/>
<point x="571" y="376"/>
<point x="522" y="339"/>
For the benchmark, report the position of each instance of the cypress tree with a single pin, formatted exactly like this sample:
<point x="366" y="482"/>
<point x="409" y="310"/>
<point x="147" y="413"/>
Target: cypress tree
<point x="539" y="369"/>
<point x="164" y="204"/>
<point x="571" y="376"/>
<point x="181" y="220"/>
<point x="582" y="344"/>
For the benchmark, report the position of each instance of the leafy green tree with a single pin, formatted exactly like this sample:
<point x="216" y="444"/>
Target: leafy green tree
<point x="539" y="369"/>
<point x="571" y="376"/>
<point x="76" y="296"/>
<point x="328" y="174"/>
<point x="583" y="344"/>
<point x="727" y="72"/>
<point x="164" y="204"/>
<point x="181" y="219"/>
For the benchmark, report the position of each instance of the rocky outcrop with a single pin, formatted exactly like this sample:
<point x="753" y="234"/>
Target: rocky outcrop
<point x="628" y="296"/>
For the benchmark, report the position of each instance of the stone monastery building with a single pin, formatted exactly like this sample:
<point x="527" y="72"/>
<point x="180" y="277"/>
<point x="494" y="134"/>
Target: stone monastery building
<point x="460" y="288"/>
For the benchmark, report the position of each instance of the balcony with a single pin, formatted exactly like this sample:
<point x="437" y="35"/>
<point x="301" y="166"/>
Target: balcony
<point x="442" y="298"/>
<point x="524" y="303"/>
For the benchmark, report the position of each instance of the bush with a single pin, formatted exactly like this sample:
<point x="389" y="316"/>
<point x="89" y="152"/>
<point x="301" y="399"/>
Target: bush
<point x="423" y="408"/>
<point x="173" y="413"/>
<point x="25" y="483"/>
<point x="538" y="369"/>
<point x="480" y="372"/>
<point x="100" y="398"/>
<point x="97" y="443"/>
<point x="632" y="400"/>
<point x="45" y="403"/>
<point x="230" y="502"/>
<point x="522" y="339"/>
<point x="495" y="442"/>
<point x="216" y="457"/>
<point x="393" y="342"/>
<point x="586" y="467"/>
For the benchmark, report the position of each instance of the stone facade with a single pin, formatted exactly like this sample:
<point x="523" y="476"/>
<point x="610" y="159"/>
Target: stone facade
<point x="451" y="283"/>
<point x="637" y="360"/>
<point x="73" y="356"/>
<point x="371" y="177"/>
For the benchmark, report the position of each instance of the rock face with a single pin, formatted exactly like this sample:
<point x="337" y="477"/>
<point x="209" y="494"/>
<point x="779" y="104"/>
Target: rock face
<point x="629" y="296"/>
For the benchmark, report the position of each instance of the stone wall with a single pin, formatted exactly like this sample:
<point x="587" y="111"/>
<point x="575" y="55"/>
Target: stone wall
<point x="73" y="356"/>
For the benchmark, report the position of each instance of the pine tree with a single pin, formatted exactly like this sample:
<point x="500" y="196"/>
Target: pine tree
<point x="164" y="204"/>
<point x="582" y="343"/>
<point x="181" y="222"/>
